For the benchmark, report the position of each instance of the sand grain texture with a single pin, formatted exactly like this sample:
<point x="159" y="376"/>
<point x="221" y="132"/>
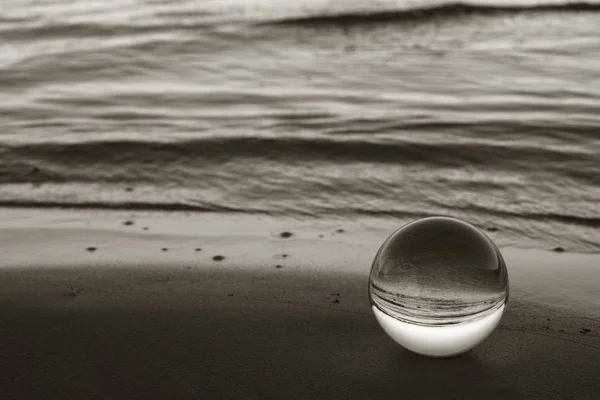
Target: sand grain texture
<point x="148" y="324"/>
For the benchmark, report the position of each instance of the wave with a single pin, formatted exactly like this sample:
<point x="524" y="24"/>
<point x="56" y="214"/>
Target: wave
<point x="590" y="222"/>
<point x="135" y="206"/>
<point x="196" y="152"/>
<point x="428" y="12"/>
<point x="97" y="30"/>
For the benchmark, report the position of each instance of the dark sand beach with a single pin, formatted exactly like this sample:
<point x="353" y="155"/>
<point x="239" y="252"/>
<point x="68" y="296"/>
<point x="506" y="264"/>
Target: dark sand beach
<point x="129" y="321"/>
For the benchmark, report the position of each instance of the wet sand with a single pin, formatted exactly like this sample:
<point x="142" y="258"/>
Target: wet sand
<point x="131" y="321"/>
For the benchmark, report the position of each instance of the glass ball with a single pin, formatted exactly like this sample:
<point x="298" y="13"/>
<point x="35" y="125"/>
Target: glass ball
<point x="438" y="286"/>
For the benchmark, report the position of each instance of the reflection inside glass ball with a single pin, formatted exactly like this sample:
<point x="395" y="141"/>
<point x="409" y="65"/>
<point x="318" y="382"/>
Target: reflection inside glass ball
<point x="438" y="286"/>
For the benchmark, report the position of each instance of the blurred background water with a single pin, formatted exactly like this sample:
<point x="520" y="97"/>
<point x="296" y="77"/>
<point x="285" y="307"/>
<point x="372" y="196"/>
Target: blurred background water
<point x="487" y="111"/>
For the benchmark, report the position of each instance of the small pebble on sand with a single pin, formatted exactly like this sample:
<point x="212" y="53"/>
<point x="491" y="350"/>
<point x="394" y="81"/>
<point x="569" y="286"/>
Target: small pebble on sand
<point x="198" y="249"/>
<point x="165" y="249"/>
<point x="278" y="266"/>
<point x="91" y="249"/>
<point x="128" y="223"/>
<point x="218" y="258"/>
<point x="286" y="234"/>
<point x="559" y="249"/>
<point x="491" y="229"/>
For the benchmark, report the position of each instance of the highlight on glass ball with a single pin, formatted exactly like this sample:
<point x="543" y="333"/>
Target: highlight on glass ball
<point x="438" y="286"/>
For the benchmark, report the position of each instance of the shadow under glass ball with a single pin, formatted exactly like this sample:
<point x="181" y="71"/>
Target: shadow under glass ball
<point x="438" y="286"/>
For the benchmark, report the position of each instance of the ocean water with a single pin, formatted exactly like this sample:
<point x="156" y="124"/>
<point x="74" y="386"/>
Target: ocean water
<point x="487" y="111"/>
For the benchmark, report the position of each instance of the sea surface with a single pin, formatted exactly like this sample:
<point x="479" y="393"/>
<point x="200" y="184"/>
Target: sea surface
<point x="488" y="111"/>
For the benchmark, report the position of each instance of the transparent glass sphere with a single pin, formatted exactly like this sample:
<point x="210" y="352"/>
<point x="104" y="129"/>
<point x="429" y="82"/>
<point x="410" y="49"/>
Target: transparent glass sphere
<point x="438" y="286"/>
